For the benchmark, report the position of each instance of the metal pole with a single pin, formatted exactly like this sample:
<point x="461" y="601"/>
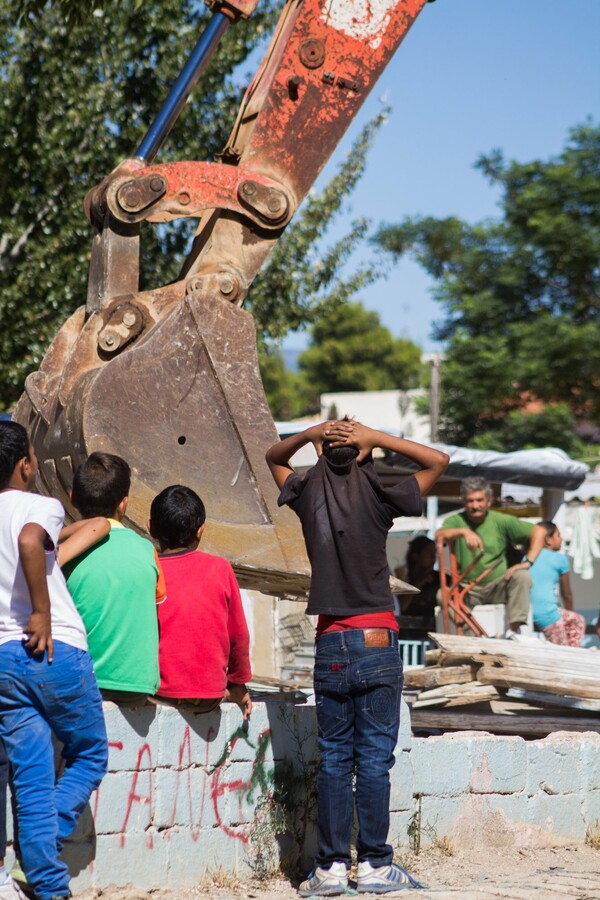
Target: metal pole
<point x="434" y="396"/>
<point x="183" y="87"/>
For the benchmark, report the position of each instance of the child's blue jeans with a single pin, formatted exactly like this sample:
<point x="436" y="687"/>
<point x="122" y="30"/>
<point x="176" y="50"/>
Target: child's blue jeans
<point x="36" y="699"/>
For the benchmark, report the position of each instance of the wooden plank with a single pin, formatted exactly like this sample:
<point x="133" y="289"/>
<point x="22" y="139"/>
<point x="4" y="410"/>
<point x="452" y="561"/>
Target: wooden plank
<point x="449" y="690"/>
<point x="545" y="699"/>
<point x="431" y="657"/>
<point x="432" y="676"/>
<point x="455" y="695"/>
<point x="457" y="650"/>
<point x="513" y="676"/>
<point x="526" y="726"/>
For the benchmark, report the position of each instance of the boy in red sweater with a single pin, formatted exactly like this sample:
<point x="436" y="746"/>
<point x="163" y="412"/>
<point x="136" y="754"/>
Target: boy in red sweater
<point x="203" y="651"/>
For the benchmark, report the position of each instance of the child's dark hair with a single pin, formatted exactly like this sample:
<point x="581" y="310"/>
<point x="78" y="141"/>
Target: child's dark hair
<point x="14" y="446"/>
<point x="176" y="515"/>
<point x="340" y="456"/>
<point x="100" y="483"/>
<point x="549" y="526"/>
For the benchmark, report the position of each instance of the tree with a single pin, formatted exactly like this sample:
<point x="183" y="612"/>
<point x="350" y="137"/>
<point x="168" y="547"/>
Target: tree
<point x="521" y="297"/>
<point x="352" y="351"/>
<point x="284" y="389"/>
<point x="79" y="84"/>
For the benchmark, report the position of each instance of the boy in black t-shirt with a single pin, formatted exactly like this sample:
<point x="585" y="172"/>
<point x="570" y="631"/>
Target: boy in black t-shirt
<point x="346" y="514"/>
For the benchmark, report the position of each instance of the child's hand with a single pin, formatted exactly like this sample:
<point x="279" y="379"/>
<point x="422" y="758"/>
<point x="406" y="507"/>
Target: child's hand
<point x="238" y="693"/>
<point x="40" y="631"/>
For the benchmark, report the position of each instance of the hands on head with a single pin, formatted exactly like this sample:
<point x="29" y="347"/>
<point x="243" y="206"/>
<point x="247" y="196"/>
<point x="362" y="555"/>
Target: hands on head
<point x="343" y="433"/>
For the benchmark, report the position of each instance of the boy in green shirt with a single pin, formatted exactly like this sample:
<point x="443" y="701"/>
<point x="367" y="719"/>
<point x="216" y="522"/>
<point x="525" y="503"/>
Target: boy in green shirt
<point x="116" y="585"/>
<point x="479" y="529"/>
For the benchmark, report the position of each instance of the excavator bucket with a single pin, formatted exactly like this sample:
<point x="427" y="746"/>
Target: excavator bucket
<point x="183" y="405"/>
<point x="169" y="378"/>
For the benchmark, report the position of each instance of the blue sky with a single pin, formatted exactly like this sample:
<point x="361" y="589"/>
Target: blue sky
<point x="471" y="76"/>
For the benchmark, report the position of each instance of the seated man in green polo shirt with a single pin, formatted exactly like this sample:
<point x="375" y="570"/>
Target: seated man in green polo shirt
<point x="479" y="529"/>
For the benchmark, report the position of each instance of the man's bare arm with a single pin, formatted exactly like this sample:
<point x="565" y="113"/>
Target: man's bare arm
<point x="433" y="462"/>
<point x="31" y="544"/>
<point x="472" y="539"/>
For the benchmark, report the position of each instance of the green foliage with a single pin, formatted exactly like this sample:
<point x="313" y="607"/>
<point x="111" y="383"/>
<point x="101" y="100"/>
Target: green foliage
<point x="552" y="427"/>
<point x="521" y="299"/>
<point x="352" y="351"/>
<point x="75" y="100"/>
<point x="79" y="85"/>
<point x="284" y="389"/>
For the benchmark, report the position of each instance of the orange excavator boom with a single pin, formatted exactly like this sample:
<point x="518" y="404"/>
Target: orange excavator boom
<point x="168" y="378"/>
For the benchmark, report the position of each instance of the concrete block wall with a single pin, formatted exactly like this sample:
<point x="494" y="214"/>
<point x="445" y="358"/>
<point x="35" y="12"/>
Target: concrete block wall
<point x="190" y="795"/>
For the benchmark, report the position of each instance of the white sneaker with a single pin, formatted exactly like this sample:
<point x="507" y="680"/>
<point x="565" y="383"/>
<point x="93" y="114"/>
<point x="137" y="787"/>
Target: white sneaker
<point x="388" y="880"/>
<point x="325" y="882"/>
<point x="10" y="890"/>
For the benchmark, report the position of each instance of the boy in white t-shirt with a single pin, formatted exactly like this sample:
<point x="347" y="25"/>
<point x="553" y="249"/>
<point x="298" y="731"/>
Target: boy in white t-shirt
<point x="47" y="683"/>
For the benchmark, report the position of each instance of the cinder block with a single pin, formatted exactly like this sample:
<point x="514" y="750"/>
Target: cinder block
<point x="193" y="856"/>
<point x="590" y="751"/>
<point x="555" y="765"/>
<point x="186" y="738"/>
<point x="441" y="767"/>
<point x="132" y="737"/>
<point x="405" y="733"/>
<point x="294" y="732"/>
<point x="498" y="764"/>
<point x="79" y="857"/>
<point x="400" y="821"/>
<point x="401" y="778"/>
<point x="517" y="808"/>
<point x="184" y="799"/>
<point x="242" y="787"/>
<point x="125" y="802"/>
<point x="561" y="815"/>
<point x="138" y="859"/>
<point x="438" y="816"/>
<point x="591" y="808"/>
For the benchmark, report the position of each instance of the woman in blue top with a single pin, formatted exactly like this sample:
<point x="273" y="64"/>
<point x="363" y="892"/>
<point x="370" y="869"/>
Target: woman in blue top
<point x="550" y="573"/>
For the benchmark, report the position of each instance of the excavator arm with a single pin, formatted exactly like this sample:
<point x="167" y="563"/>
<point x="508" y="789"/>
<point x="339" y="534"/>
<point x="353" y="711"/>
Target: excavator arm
<point x="168" y="378"/>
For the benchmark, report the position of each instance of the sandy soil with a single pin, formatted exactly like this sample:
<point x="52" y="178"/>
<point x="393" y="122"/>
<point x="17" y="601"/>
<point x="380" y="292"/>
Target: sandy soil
<point x="543" y="874"/>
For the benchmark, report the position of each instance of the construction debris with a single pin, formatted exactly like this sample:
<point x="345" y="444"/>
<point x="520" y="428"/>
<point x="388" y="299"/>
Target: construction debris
<point x="529" y="688"/>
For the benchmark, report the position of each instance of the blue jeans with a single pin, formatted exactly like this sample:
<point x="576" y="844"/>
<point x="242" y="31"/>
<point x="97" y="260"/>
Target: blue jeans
<point x="3" y="795"/>
<point x="357" y="693"/>
<point x="37" y="699"/>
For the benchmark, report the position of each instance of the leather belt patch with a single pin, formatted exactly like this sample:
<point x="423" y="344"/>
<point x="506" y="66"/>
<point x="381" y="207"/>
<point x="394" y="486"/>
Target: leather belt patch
<point x="377" y="637"/>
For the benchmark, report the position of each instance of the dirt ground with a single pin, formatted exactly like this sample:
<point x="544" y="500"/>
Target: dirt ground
<point x="564" y="873"/>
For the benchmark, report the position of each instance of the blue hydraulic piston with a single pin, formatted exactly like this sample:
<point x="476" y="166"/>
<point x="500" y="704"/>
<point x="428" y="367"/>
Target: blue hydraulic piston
<point x="183" y="87"/>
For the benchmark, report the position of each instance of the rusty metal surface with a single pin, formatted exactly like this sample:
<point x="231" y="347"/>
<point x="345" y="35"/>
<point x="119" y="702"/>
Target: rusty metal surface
<point x="169" y="378"/>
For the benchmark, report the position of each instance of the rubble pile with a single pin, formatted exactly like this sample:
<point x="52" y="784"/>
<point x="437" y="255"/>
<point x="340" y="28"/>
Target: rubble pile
<point x="529" y="687"/>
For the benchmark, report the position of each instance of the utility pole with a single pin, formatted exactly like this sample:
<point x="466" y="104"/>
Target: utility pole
<point x="435" y="361"/>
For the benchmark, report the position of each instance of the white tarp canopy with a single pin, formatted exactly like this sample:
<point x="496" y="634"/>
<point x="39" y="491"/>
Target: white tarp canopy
<point x="547" y="467"/>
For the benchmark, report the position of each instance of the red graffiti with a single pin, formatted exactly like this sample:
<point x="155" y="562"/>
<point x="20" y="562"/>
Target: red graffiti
<point x="143" y="799"/>
<point x="244" y="790"/>
<point x="217" y="782"/>
<point x="186" y="744"/>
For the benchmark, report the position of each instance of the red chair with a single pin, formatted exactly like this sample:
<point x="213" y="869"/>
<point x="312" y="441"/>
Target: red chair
<point x="454" y="591"/>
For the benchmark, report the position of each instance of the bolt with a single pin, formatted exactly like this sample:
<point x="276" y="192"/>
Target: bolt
<point x="156" y="184"/>
<point x="130" y="197"/>
<point x="109" y="340"/>
<point x="249" y="188"/>
<point x="274" y="204"/>
<point x="129" y="319"/>
<point x="226" y="284"/>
